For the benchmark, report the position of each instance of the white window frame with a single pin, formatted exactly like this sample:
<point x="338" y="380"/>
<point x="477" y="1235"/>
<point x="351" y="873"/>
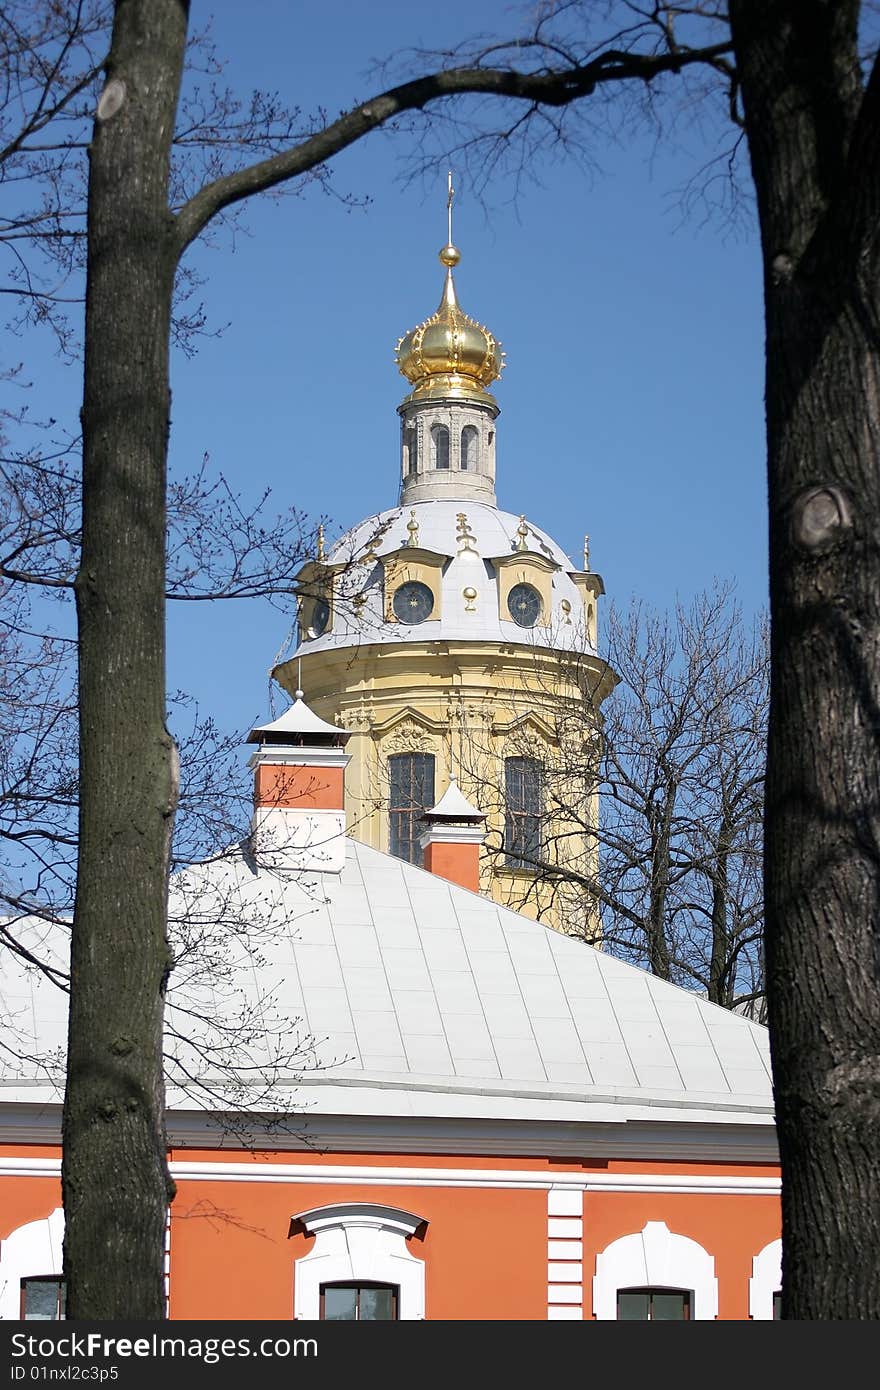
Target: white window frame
<point x="655" y="1258"/>
<point x="27" y="1253"/>
<point x="766" y="1280"/>
<point x="356" y="1242"/>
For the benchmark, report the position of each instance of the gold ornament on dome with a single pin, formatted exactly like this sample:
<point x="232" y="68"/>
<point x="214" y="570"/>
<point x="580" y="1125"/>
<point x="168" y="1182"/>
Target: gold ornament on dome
<point x="450" y="354"/>
<point x="464" y="535"/>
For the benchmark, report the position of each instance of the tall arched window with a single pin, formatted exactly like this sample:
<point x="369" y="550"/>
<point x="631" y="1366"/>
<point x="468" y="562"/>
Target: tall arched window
<point x="523" y="811"/>
<point x="410" y="451"/>
<point x="412" y="793"/>
<point x="440" y="443"/>
<point x="469" y="436"/>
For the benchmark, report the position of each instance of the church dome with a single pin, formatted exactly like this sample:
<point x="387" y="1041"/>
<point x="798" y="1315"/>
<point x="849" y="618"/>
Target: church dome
<point x="449" y="355"/>
<point x="453" y="571"/>
<point x="447" y="565"/>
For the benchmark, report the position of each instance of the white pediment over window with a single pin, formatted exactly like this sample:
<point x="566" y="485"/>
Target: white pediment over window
<point x="356" y="1242"/>
<point x="655" y="1258"/>
<point x="31" y="1251"/>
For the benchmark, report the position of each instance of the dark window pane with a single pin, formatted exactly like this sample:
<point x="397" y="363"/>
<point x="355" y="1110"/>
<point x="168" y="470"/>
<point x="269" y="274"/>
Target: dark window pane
<point x="653" y="1305"/>
<point x="42" y="1300"/>
<point x="340" y="1304"/>
<point x="411" y="451"/>
<point x="412" y="793"/>
<point x="523" y="805"/>
<point x="469" y="447"/>
<point x="633" y="1307"/>
<point x="524" y="605"/>
<point x="777" y="1305"/>
<point x="440" y="437"/>
<point x="356" y="1302"/>
<point x="377" y="1304"/>
<point x="412" y="602"/>
<point x="669" y="1307"/>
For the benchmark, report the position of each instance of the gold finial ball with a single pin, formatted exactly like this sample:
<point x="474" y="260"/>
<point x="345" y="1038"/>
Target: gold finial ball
<point x="450" y="255"/>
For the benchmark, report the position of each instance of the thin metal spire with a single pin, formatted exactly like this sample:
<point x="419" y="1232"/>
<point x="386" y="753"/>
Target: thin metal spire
<point x="450" y="194"/>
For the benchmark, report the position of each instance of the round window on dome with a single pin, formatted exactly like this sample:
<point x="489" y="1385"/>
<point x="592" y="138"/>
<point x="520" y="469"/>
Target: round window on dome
<point x="413" y="602"/>
<point x="524" y="605"/>
<point x="320" y="620"/>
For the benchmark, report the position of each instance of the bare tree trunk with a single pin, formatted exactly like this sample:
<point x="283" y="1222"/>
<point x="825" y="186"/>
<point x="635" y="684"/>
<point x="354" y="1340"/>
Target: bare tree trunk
<point x="115" y="1178"/>
<point x="814" y="141"/>
<point x="655" y="923"/>
<point x="721" y="972"/>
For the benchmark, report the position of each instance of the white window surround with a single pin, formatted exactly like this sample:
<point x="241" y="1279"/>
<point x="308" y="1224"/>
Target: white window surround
<point x="354" y="1242"/>
<point x="766" y="1280"/>
<point x="655" y="1257"/>
<point x="25" y="1253"/>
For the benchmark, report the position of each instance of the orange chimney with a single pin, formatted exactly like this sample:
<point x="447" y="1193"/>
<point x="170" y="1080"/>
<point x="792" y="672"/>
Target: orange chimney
<point x="299" y="816"/>
<point x="452" y="840"/>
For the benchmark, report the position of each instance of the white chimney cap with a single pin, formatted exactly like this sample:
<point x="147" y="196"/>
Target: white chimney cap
<point x="298" y="723"/>
<point x="454" y="806"/>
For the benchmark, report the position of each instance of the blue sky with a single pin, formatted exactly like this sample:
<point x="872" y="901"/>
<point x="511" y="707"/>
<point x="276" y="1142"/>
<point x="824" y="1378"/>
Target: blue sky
<point x="632" y="397"/>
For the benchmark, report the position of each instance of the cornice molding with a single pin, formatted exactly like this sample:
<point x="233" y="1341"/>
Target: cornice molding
<point x="374" y="1175"/>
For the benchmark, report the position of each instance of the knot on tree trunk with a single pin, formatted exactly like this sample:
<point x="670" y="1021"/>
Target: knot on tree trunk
<point x="820" y="516"/>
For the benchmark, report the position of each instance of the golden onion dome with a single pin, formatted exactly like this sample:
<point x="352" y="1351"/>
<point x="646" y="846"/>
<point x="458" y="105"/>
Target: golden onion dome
<point x="450" y="354"/>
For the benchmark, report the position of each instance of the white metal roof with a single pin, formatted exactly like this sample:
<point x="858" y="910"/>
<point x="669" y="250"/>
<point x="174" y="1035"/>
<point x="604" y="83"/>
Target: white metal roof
<point x="412" y="996"/>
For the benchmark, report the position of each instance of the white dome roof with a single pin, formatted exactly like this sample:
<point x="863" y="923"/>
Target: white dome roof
<point x="467" y="565"/>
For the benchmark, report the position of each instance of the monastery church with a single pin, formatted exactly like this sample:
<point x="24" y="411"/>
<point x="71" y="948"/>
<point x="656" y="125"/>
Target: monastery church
<point x="457" y="1109"/>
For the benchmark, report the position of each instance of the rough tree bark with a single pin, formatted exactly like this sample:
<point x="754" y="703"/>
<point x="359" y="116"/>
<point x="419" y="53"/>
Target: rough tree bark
<point x="814" y="142"/>
<point x="116" y="1184"/>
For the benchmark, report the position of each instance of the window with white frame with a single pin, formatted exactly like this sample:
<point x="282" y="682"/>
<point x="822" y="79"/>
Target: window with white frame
<point x="361" y="1266"/>
<point x="655" y="1261"/>
<point x="653" y="1305"/>
<point x="765" y="1297"/>
<point x="30" y="1270"/>
<point x="43" y="1298"/>
<point x="363" y="1302"/>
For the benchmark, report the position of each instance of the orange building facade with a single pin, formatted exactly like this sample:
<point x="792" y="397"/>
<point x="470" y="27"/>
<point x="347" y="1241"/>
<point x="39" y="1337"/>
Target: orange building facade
<point x="492" y="1238"/>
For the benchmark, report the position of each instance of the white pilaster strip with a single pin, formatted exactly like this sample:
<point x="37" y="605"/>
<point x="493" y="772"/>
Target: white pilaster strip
<point x="565" y="1270"/>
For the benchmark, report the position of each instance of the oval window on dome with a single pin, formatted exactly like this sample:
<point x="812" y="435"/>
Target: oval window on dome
<point x="524" y="605"/>
<point x="320" y="619"/>
<point x="413" y="602"/>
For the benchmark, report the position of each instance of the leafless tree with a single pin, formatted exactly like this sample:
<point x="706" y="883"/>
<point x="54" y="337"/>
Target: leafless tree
<point x="804" y="98"/>
<point x="654" y="827"/>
